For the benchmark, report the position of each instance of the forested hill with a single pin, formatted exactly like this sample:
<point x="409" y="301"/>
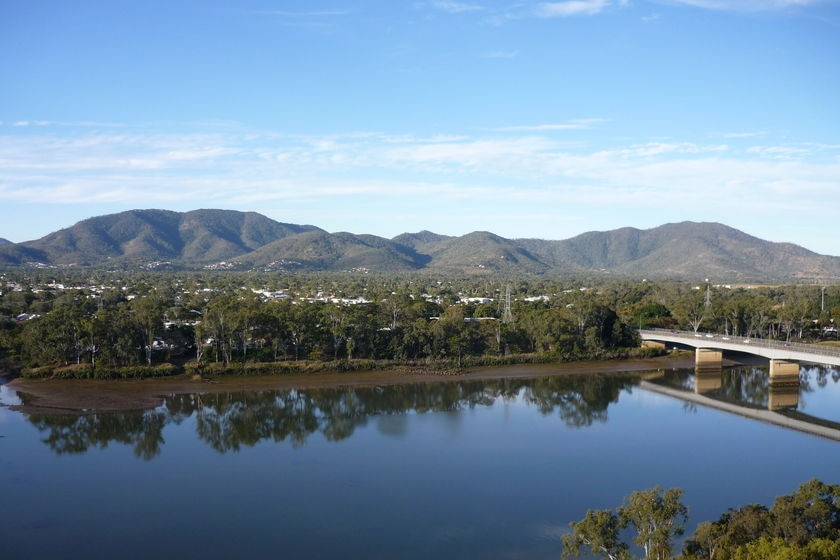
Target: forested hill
<point x="226" y="239"/>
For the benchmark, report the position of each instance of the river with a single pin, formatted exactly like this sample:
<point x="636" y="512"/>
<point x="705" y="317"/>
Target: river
<point x="457" y="469"/>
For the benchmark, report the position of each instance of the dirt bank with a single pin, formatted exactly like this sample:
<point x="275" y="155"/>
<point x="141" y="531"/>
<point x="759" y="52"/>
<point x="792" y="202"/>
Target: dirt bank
<point x="84" y="396"/>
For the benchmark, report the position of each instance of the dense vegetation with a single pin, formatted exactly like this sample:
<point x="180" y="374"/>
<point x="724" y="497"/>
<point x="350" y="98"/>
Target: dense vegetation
<point x="804" y="525"/>
<point x="86" y="324"/>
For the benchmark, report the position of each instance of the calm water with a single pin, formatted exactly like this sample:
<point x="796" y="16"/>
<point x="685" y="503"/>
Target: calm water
<point x="449" y="470"/>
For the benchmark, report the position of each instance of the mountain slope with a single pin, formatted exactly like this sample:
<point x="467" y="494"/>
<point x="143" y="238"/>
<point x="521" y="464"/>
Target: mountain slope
<point x="481" y="250"/>
<point x="320" y="250"/>
<point x="248" y="240"/>
<point x="691" y="249"/>
<point x="198" y="236"/>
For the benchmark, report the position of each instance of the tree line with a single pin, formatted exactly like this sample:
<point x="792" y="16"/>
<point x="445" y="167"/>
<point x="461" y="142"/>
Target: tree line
<point x="159" y="319"/>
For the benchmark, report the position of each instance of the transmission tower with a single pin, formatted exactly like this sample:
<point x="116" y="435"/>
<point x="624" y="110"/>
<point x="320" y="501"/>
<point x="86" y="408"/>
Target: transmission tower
<point x="507" y="316"/>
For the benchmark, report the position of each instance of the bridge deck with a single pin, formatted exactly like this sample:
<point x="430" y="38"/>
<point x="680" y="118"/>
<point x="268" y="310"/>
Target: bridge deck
<point x="771" y="349"/>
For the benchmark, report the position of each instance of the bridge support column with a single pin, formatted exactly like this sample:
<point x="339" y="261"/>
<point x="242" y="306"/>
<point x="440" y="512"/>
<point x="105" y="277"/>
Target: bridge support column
<point x="784" y="373"/>
<point x="707" y="378"/>
<point x="705" y="357"/>
<point x="786" y="396"/>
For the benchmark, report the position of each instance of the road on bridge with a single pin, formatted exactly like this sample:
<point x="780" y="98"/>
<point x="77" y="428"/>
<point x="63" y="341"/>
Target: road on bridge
<point x="771" y="349"/>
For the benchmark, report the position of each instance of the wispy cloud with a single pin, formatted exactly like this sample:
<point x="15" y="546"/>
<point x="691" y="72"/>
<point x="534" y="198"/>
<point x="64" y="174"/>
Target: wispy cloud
<point x="576" y="124"/>
<point x="310" y="14"/>
<point x="524" y="168"/>
<point x="748" y="5"/>
<point x="744" y="134"/>
<point x="76" y="124"/>
<point x="571" y="8"/>
<point x="508" y="55"/>
<point x="457" y="7"/>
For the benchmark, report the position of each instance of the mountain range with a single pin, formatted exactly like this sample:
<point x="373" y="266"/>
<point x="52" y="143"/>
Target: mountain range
<point x="227" y="239"/>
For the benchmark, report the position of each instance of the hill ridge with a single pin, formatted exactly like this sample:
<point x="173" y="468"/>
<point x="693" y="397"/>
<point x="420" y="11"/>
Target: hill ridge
<point x="211" y="238"/>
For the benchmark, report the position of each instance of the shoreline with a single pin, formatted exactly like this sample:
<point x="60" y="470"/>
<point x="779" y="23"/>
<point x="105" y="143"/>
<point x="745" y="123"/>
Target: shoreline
<point x="91" y="396"/>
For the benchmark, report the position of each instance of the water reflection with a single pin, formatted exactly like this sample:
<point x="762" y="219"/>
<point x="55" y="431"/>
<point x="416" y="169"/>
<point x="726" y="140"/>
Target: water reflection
<point x="228" y="421"/>
<point x="750" y="385"/>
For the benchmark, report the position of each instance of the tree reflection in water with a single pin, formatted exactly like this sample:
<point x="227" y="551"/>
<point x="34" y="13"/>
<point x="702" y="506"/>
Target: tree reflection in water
<point x="77" y="434"/>
<point x="228" y="421"/>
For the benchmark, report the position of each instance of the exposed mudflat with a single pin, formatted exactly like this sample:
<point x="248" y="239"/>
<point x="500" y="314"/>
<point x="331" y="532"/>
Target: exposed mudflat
<point x="85" y="396"/>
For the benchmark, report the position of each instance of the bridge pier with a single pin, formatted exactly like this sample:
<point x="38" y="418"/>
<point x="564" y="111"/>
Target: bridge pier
<point x="706" y="357"/>
<point x="707" y="378"/>
<point x="786" y="396"/>
<point x="784" y="373"/>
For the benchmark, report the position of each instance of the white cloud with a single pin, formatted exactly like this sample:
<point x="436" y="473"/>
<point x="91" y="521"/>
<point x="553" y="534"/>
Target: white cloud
<point x="571" y="8"/>
<point x="524" y="169"/>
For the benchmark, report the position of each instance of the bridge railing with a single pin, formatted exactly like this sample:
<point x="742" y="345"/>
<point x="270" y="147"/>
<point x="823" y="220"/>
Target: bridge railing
<point x="747" y="341"/>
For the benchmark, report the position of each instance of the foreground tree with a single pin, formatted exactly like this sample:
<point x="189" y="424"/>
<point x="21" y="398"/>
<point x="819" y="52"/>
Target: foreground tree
<point x="777" y="549"/>
<point x="599" y="532"/>
<point x="806" y="516"/>
<point x="657" y="517"/>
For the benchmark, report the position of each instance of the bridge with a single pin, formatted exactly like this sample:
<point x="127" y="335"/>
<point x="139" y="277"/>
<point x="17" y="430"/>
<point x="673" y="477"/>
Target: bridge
<point x="784" y="356"/>
<point x="784" y="374"/>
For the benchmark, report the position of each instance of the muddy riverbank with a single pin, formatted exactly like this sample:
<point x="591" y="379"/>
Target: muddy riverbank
<point x="85" y="396"/>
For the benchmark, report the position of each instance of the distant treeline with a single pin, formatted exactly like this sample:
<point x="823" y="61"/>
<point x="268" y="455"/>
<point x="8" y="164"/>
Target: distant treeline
<point x="162" y="324"/>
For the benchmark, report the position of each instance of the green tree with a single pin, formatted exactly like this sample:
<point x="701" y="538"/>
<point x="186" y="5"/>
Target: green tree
<point x="599" y="532"/>
<point x="690" y="309"/>
<point x="767" y="548"/>
<point x="657" y="517"/>
<point x="148" y="316"/>
<point x="811" y="512"/>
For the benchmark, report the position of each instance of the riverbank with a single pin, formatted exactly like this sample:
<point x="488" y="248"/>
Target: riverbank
<point x="85" y="396"/>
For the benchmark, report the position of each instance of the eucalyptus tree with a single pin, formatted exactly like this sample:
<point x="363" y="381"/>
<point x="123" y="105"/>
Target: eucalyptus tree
<point x="760" y="313"/>
<point x="807" y="519"/>
<point x="800" y="305"/>
<point x="691" y="309"/>
<point x="115" y="336"/>
<point x="448" y="333"/>
<point x="219" y="324"/>
<point x="148" y="313"/>
<point x="55" y="338"/>
<point x="656" y="516"/>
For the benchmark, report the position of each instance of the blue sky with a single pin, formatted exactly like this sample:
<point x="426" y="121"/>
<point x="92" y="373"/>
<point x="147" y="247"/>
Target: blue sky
<point x="527" y="119"/>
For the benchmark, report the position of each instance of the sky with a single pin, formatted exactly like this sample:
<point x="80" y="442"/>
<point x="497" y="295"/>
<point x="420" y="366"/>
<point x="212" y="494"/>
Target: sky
<point x="527" y="119"/>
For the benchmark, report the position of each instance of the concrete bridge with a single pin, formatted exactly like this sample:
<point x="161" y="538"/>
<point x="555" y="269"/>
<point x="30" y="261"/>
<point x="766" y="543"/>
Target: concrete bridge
<point x="784" y="375"/>
<point x="784" y="357"/>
